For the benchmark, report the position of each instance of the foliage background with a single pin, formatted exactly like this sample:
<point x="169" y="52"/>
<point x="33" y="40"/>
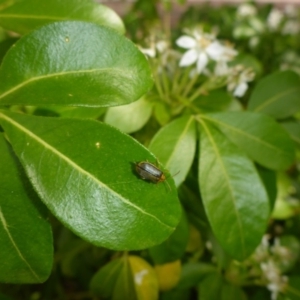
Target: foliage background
<point x="112" y="234"/>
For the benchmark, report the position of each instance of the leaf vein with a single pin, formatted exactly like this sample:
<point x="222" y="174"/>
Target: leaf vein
<point x="5" y="227"/>
<point x="80" y="170"/>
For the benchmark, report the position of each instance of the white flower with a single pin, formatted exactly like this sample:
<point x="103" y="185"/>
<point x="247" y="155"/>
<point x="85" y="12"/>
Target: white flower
<point x="290" y="11"/>
<point x="148" y="51"/>
<point x="160" y="46"/>
<point x="276" y="281"/>
<point x="238" y="80"/>
<point x="202" y="47"/>
<point x="291" y="27"/>
<point x="246" y="10"/>
<point x="221" y="68"/>
<point x="274" y="19"/>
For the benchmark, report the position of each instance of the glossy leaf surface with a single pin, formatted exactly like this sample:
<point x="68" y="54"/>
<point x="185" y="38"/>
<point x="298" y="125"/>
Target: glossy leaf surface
<point x="234" y="197"/>
<point x="259" y="136"/>
<point x="175" y="145"/>
<point x="277" y="95"/>
<point x="84" y="172"/>
<point x="129" y="118"/>
<point x="23" y="16"/>
<point x="73" y="63"/>
<point x="25" y="235"/>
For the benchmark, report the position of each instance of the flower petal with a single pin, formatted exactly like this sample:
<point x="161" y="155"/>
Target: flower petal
<point x="186" y="42"/>
<point x="215" y="50"/>
<point x="241" y="89"/>
<point x="188" y="58"/>
<point x="201" y="62"/>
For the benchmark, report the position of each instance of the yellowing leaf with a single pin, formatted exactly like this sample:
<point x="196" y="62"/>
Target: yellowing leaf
<point x="168" y="275"/>
<point x="145" y="280"/>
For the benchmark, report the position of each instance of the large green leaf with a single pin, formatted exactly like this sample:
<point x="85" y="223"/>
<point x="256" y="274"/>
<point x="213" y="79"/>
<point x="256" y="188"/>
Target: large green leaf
<point x="175" y="146"/>
<point x="73" y="63"/>
<point x="25" y="234"/>
<point x="264" y="140"/>
<point x="23" y="16"/>
<point x="84" y="172"/>
<point x="234" y="197"/>
<point x="277" y="95"/>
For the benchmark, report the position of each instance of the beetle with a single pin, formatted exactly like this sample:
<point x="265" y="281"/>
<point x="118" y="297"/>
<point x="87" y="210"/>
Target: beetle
<point x="150" y="172"/>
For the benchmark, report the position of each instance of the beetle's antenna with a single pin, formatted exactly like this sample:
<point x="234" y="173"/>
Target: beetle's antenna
<point x="168" y="184"/>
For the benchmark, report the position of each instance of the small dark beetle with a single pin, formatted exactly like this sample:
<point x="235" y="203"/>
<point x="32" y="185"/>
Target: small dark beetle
<point x="150" y="172"/>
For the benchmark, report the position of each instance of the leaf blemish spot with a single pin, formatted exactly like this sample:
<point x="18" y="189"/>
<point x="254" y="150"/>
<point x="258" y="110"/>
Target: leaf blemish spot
<point x="70" y="95"/>
<point x="98" y="145"/>
<point x="67" y="39"/>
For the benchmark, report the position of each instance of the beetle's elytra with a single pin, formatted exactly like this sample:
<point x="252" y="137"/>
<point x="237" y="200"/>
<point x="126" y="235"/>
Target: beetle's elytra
<point x="150" y="172"/>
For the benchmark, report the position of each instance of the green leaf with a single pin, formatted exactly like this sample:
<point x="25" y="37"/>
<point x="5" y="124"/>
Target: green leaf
<point x="129" y="277"/>
<point x="162" y="113"/>
<point x="23" y="16"/>
<point x="283" y="209"/>
<point x="234" y="197"/>
<point x="268" y="178"/>
<point x="76" y="64"/>
<point x="192" y="273"/>
<point x="292" y="290"/>
<point x="84" y="172"/>
<point x="175" y="145"/>
<point x="25" y="235"/>
<point x="215" y="100"/>
<point x="259" y="136"/>
<point x="129" y="118"/>
<point x="293" y="128"/>
<point x="4" y="47"/>
<point x="277" y="95"/>
<point x="174" y="247"/>
<point x="210" y="287"/>
<point x="70" y="112"/>
<point x="229" y="292"/>
<point x="104" y="281"/>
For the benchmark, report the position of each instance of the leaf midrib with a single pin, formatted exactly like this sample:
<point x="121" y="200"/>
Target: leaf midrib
<point x="243" y="133"/>
<point x="227" y="179"/>
<point x="37" y="78"/>
<point x="79" y="169"/>
<point x="19" y="253"/>
<point x="274" y="99"/>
